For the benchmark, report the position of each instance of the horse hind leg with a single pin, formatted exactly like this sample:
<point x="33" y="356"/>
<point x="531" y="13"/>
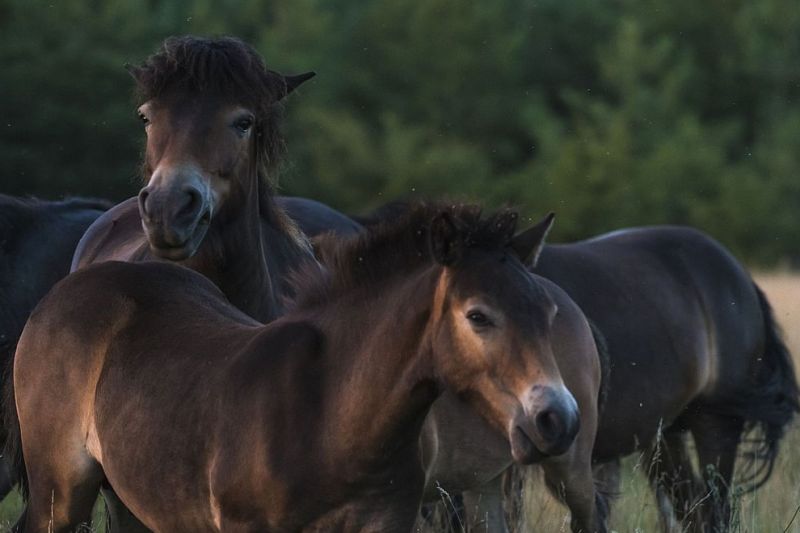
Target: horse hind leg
<point x="672" y="478"/>
<point x="717" y="439"/>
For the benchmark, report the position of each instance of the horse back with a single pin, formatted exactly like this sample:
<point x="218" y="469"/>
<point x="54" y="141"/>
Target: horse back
<point x="117" y="235"/>
<point x="680" y="316"/>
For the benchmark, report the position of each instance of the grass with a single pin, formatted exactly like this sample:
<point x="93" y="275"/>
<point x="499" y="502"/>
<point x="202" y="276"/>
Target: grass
<point x="770" y="509"/>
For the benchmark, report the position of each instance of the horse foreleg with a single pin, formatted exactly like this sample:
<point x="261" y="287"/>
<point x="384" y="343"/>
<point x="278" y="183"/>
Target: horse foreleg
<point x="570" y="480"/>
<point x="483" y="508"/>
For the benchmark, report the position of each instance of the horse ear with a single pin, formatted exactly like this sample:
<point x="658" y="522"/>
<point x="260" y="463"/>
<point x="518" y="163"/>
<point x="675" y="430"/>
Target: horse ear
<point x="293" y="82"/>
<point x="528" y="244"/>
<point x="445" y="240"/>
<point x="134" y="71"/>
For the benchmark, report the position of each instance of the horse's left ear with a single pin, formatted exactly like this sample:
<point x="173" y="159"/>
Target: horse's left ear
<point x="528" y="244"/>
<point x="293" y="82"/>
<point x="445" y="240"/>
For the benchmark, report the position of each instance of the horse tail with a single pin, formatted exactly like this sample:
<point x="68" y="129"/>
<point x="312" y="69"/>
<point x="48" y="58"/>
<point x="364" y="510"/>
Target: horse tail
<point x="12" y="446"/>
<point x="773" y="402"/>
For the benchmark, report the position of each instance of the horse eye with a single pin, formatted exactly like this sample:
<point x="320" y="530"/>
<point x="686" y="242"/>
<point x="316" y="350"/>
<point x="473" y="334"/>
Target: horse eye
<point x="143" y="118"/>
<point x="243" y="124"/>
<point x="478" y="319"/>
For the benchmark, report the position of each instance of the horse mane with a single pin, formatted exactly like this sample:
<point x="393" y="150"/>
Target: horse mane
<point x="394" y="246"/>
<point x="227" y="68"/>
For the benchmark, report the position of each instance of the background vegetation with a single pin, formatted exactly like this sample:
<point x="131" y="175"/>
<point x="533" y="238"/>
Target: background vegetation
<point x="610" y="113"/>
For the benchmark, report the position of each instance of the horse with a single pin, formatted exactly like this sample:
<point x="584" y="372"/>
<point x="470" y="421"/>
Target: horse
<point x="210" y="109"/>
<point x="37" y="238"/>
<point x="315" y="218"/>
<point x="144" y="375"/>
<point x="692" y="347"/>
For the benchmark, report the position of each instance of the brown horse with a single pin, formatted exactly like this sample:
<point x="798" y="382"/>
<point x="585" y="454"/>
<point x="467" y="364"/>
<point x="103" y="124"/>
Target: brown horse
<point x="693" y="347"/>
<point x="204" y="420"/>
<point x="210" y="108"/>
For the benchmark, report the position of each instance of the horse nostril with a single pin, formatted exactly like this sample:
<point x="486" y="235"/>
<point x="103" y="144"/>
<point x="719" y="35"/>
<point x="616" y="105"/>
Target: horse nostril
<point x="549" y="425"/>
<point x="192" y="203"/>
<point x="143" y="194"/>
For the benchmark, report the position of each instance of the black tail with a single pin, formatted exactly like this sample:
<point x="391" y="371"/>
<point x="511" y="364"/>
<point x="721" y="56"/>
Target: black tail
<point x="12" y="447"/>
<point x="773" y="402"/>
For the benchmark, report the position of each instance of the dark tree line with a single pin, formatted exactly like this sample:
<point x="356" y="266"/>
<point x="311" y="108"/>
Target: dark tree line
<point x="610" y="113"/>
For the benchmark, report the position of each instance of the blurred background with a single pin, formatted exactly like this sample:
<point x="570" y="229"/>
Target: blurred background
<point x="610" y="113"/>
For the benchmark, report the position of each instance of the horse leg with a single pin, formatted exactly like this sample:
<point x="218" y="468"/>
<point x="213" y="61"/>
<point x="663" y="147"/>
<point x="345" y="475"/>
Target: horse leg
<point x="63" y="490"/>
<point x="483" y="508"/>
<point x="6" y="479"/>
<point x="672" y="479"/>
<point x="572" y="482"/>
<point x="717" y="439"/>
<point x="120" y="519"/>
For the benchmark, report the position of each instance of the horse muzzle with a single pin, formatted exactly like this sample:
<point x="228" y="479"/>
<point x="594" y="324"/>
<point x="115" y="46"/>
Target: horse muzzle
<point x="546" y="425"/>
<point x="175" y="219"/>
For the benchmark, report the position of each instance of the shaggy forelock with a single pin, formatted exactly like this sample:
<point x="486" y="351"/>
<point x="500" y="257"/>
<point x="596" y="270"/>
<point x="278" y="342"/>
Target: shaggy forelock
<point x="223" y="67"/>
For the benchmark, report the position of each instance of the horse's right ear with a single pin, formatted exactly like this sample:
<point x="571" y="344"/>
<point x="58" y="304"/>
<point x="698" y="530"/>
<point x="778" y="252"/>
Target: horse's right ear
<point x="134" y="71"/>
<point x="293" y="82"/>
<point x="445" y="241"/>
<point x="528" y="244"/>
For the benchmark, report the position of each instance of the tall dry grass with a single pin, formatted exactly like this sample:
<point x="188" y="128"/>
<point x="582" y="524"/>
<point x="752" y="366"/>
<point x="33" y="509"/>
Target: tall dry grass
<point x="770" y="509"/>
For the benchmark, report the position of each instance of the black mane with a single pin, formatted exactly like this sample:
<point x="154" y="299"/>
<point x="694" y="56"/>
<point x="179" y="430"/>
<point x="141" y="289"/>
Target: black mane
<point x="397" y="245"/>
<point x="224" y="67"/>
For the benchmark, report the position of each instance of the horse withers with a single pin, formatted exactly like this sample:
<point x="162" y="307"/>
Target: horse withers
<point x="143" y="376"/>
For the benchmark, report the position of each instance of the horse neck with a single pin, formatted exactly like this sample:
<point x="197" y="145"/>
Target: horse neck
<point x="236" y="259"/>
<point x="381" y="380"/>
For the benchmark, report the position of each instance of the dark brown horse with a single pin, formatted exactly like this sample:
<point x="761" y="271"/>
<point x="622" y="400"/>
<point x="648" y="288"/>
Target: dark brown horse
<point x="204" y="420"/>
<point x="210" y="108"/>
<point x="694" y="349"/>
<point x="37" y="239"/>
<point x="211" y="111"/>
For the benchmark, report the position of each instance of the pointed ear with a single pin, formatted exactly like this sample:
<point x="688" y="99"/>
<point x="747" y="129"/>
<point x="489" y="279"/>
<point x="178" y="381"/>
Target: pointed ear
<point x="134" y="71"/>
<point x="528" y="244"/>
<point x="445" y="242"/>
<point x="293" y="82"/>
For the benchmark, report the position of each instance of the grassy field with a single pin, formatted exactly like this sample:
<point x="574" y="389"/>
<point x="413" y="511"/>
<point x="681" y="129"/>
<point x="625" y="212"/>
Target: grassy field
<point x="770" y="509"/>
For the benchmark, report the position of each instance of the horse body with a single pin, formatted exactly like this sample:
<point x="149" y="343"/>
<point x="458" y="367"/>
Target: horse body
<point x="36" y="243"/>
<point x="316" y="218"/>
<point x="687" y="332"/>
<point x="152" y="379"/>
